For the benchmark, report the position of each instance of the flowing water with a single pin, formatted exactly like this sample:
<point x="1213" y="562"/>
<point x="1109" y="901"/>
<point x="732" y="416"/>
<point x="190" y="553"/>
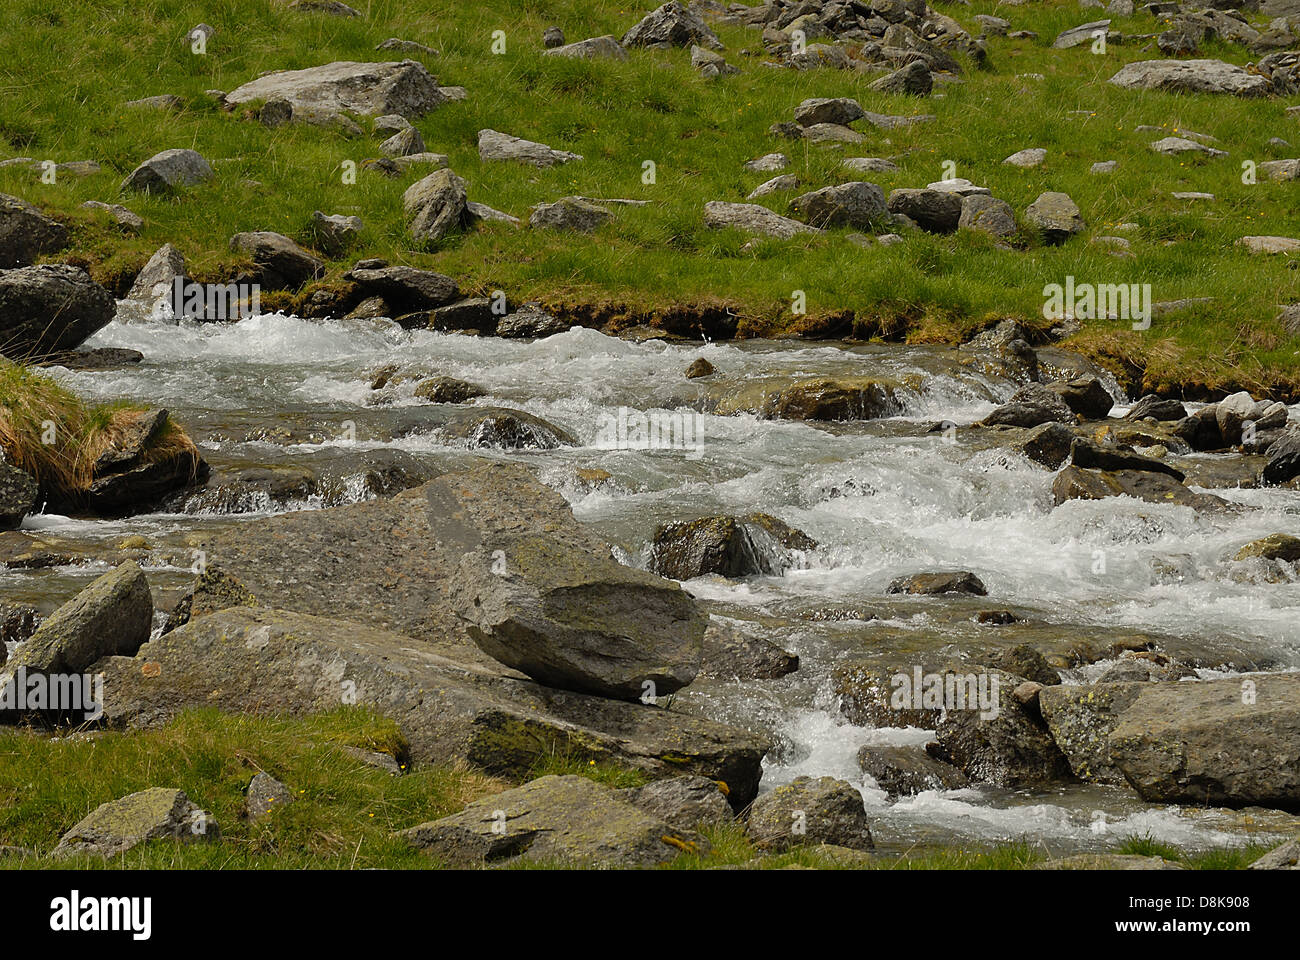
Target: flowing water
<point x="882" y="498"/>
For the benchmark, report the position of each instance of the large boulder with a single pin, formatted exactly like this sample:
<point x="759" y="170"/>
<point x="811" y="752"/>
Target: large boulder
<point x="371" y="89"/>
<point x="282" y="263"/>
<point x="757" y="544"/>
<point x="119" y="825"/>
<point x="248" y="659"/>
<point x="167" y="171"/>
<point x="808" y="811"/>
<point x="564" y="820"/>
<point x="567" y="617"/>
<point x="1087" y="396"/>
<point x="49" y="309"/>
<point x="494" y="145"/>
<point x="436" y="206"/>
<point x="859" y="204"/>
<point x="156" y="280"/>
<point x="26" y="233"/>
<point x="112" y="616"/>
<point x="1231" y="742"/>
<point x="672" y="25"/>
<point x="1192" y="76"/>
<point x="1283" y="460"/>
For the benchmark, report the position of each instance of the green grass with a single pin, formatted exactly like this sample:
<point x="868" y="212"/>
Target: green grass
<point x="345" y="813"/>
<point x="66" y="71"/>
<point x="56" y="437"/>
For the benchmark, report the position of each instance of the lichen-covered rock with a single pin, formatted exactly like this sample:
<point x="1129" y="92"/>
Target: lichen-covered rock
<point x="371" y="89"/>
<point x="752" y="218"/>
<point x="1229" y="742"/>
<point x="111" y="617"/>
<point x="566" y="820"/>
<point x="1056" y="216"/>
<point x="569" y="213"/>
<point x="168" y="171"/>
<point x="686" y="803"/>
<point x="858" y="204"/>
<point x="436" y="206"/>
<point x="494" y="145"/>
<point x="1285" y="857"/>
<point x="119" y="825"/>
<point x="808" y="811"/>
<point x="672" y="25"/>
<point x="1276" y="546"/>
<point x="18" y="493"/>
<point x="265" y="793"/>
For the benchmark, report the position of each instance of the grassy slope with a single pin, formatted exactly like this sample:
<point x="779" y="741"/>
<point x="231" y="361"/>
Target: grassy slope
<point x="65" y="72"/>
<point x="345" y="813"/>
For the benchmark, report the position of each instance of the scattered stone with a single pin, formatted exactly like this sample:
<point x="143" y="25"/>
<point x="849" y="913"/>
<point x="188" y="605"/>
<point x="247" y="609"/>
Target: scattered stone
<point x="672" y="25"/>
<point x="1031" y="405"/>
<point x="987" y="214"/>
<point x="552" y="37"/>
<point x="121" y="215"/>
<point x="436" y="206"/>
<point x="596" y="48"/>
<point x="265" y="793"/>
<point x="859" y="204"/>
<point x="404" y="143"/>
<point x="1192" y="76"/>
<point x="840" y="111"/>
<point x="369" y="89"/>
<point x="1056" y="216"/>
<point x="768" y="163"/>
<point x="1084" y="33"/>
<point x="1179" y="146"/>
<point x="119" y="825"/>
<point x="447" y="390"/>
<point x="753" y="219"/>
<point x="699" y="368"/>
<point x="569" y="213"/>
<point x="493" y="145"/>
<point x="1029" y="157"/>
<point x="167" y="171"/>
<point x="26" y="233"/>
<point x="1048" y="444"/>
<point x="281" y="262"/>
<point x="934" y="210"/>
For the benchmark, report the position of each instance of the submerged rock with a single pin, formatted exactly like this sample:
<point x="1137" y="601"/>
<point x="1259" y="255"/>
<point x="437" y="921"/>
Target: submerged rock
<point x="905" y="771"/>
<point x="1076" y="483"/>
<point x="932" y="584"/>
<point x="500" y="427"/>
<point x="813" y="398"/>
<point x="757" y="544"/>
